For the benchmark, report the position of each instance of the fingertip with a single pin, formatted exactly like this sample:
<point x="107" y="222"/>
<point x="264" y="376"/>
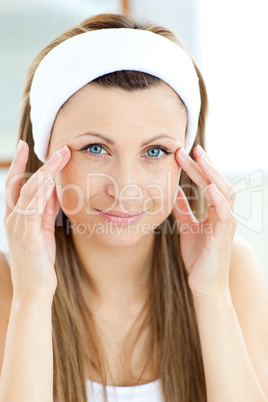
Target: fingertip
<point x="213" y="189"/>
<point x="198" y="151"/>
<point x="22" y="145"/>
<point x="65" y="159"/>
<point x="177" y="151"/>
<point x="20" y="159"/>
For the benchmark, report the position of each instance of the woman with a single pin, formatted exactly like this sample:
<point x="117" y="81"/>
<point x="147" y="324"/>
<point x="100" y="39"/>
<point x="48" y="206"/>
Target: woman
<point x="152" y="304"/>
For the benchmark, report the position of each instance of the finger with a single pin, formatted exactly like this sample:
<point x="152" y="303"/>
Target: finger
<point x="15" y="177"/>
<point x="37" y="180"/>
<point x="33" y="220"/>
<point x="198" y="150"/>
<point x="225" y="216"/>
<point x="51" y="211"/>
<point x="216" y="177"/>
<point x="182" y="210"/>
<point x="193" y="171"/>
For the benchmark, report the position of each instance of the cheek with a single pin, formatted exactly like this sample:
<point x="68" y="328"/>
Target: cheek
<point x="168" y="176"/>
<point x="162" y="188"/>
<point x="71" y="190"/>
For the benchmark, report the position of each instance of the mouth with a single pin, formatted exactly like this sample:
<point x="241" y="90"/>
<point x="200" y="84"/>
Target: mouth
<point x="121" y="214"/>
<point x="119" y="217"/>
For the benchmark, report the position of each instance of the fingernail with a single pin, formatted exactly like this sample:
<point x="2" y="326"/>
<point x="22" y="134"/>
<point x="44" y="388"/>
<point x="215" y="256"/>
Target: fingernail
<point x="20" y="146"/>
<point x="199" y="150"/>
<point x="183" y="154"/>
<point x="63" y="151"/>
<point x="59" y="153"/>
<point x="55" y="157"/>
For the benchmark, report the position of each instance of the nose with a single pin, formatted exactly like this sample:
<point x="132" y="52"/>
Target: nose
<point x="127" y="183"/>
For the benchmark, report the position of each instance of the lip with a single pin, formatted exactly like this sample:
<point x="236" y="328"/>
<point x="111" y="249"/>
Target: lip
<point x="121" y="214"/>
<point x="121" y="218"/>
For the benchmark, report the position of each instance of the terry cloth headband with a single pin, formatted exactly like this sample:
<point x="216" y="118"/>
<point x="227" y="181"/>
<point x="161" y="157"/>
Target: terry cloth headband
<point x="84" y="57"/>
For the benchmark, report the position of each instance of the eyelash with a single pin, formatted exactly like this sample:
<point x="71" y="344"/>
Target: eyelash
<point x="102" y="145"/>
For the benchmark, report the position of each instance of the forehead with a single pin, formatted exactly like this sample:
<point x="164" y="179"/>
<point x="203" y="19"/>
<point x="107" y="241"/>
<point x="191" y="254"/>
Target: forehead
<point x="96" y="92"/>
<point x="114" y="111"/>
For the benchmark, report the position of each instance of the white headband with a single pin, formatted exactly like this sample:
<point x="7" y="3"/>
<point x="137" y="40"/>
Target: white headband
<point x="84" y="57"/>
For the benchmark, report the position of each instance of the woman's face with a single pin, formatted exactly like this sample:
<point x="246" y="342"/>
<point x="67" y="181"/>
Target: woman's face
<point x="127" y="170"/>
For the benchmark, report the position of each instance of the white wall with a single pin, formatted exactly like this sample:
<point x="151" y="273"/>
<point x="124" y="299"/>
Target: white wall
<point x="234" y="61"/>
<point x="182" y="16"/>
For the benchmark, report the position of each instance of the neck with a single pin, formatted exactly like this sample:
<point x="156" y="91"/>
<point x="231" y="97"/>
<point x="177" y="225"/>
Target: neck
<point x="119" y="276"/>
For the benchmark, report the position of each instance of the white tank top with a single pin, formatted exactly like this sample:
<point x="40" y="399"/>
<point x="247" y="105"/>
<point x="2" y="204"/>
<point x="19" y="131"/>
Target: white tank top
<point x="150" y="392"/>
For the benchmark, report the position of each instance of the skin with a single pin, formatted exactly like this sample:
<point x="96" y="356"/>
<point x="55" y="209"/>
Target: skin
<point x="140" y="183"/>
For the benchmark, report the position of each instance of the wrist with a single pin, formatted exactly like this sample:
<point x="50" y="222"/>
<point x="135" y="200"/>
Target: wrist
<point x="19" y="304"/>
<point x="215" y="300"/>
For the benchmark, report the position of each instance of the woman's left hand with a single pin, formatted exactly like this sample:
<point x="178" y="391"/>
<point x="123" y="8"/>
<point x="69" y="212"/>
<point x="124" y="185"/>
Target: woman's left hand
<point x="206" y="245"/>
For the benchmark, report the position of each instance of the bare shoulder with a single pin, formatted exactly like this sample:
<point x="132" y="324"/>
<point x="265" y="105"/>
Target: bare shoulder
<point x="249" y="293"/>
<point x="246" y="275"/>
<point x="5" y="302"/>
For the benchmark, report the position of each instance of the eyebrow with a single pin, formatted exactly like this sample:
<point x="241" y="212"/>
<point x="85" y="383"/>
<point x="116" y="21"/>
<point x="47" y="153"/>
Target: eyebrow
<point x="111" y="142"/>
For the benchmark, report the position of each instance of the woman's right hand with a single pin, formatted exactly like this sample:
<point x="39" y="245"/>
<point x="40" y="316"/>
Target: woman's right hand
<point x="30" y="215"/>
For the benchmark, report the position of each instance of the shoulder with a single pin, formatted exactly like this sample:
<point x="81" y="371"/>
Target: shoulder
<point x="246" y="276"/>
<point x="5" y="302"/>
<point x="249" y="293"/>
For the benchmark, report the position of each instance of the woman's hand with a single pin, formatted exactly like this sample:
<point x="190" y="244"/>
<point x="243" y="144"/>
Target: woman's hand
<point x="206" y="245"/>
<point x="29" y="220"/>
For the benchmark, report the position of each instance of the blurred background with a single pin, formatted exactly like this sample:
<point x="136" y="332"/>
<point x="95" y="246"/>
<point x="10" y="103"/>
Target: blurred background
<point x="227" y="39"/>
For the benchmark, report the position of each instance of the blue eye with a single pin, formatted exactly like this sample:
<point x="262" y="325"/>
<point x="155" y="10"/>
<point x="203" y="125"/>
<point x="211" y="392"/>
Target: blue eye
<point x="95" y="148"/>
<point x="95" y="151"/>
<point x="155" y="152"/>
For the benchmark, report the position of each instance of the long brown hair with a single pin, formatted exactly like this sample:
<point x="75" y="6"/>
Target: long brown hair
<point x="175" y="351"/>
